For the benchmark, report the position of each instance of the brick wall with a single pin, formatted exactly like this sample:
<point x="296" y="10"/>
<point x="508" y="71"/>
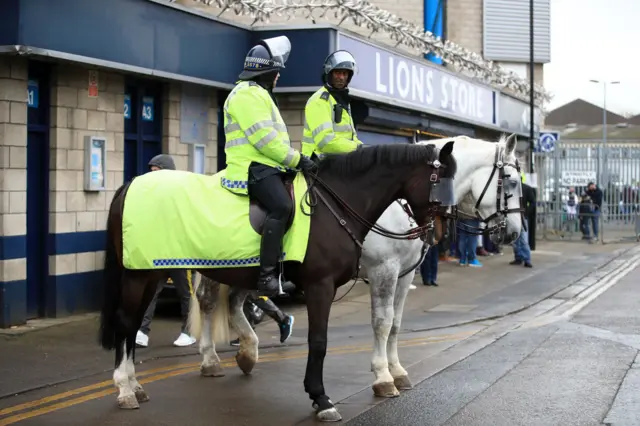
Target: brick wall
<point x="464" y="23"/>
<point x="75" y="115"/>
<point x="410" y="10"/>
<point x="292" y="111"/>
<point x="171" y="129"/>
<point x="13" y="159"/>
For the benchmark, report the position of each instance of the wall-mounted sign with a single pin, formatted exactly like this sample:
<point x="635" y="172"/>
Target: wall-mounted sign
<point x="147" y="108"/>
<point x="127" y="107"/>
<point x="95" y="163"/>
<point x="194" y="115"/>
<point x="417" y="84"/>
<point x="33" y="95"/>
<point x="93" y="84"/>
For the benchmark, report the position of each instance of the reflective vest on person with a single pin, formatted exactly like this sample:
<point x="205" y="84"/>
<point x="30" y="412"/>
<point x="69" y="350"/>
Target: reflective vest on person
<point x="323" y="134"/>
<point x="254" y="132"/>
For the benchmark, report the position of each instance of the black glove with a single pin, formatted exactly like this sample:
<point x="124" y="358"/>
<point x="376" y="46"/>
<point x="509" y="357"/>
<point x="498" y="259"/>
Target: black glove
<point x="306" y="164"/>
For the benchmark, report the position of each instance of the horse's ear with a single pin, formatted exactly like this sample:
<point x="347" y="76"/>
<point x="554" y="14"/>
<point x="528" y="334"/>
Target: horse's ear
<point x="511" y="143"/>
<point x="445" y="151"/>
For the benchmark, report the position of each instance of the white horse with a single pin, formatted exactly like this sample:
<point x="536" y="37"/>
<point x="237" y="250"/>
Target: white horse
<point x="384" y="260"/>
<point x="480" y="164"/>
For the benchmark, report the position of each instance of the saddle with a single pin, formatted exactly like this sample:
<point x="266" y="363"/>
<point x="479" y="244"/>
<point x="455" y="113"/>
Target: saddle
<point x="258" y="214"/>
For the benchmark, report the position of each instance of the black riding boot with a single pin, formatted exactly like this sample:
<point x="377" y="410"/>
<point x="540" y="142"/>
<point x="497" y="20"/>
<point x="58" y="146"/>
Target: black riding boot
<point x="270" y="251"/>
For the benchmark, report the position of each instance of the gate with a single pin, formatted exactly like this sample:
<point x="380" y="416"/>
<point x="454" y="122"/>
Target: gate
<point x="614" y="167"/>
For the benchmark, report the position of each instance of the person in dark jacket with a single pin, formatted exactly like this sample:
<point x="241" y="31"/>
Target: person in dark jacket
<point x="596" y="196"/>
<point x="521" y="249"/>
<point x="585" y="212"/>
<point x="178" y="277"/>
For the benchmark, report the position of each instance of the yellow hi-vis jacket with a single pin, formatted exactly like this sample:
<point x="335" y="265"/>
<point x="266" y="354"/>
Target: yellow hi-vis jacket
<point x="322" y="134"/>
<point x="254" y="131"/>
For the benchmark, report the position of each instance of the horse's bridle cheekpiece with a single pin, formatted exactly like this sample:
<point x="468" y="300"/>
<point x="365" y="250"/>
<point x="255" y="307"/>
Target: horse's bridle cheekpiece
<point x="502" y="199"/>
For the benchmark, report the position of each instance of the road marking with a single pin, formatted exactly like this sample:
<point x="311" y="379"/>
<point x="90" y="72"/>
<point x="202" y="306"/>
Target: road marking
<point x="150" y="376"/>
<point x="571" y="306"/>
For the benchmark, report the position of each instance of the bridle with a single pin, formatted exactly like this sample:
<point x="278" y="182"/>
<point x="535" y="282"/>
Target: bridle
<point x="422" y="231"/>
<point x="502" y="200"/>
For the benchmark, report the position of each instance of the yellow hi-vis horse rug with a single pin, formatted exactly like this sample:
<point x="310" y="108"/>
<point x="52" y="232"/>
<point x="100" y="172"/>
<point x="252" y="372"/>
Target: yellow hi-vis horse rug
<point x="177" y="219"/>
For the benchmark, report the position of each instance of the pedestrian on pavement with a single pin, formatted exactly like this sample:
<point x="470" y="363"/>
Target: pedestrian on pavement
<point x="596" y="196"/>
<point x="178" y="276"/>
<point x="429" y="267"/>
<point x="521" y="249"/>
<point x="468" y="242"/>
<point x="284" y="321"/>
<point x="585" y="211"/>
<point x="480" y="251"/>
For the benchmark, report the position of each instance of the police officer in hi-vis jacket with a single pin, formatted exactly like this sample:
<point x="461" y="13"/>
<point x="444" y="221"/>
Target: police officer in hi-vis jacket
<point x="259" y="151"/>
<point x="328" y="125"/>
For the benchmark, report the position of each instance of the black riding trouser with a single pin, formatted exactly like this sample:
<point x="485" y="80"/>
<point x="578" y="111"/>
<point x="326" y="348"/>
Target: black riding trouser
<point x="183" y="290"/>
<point x="272" y="194"/>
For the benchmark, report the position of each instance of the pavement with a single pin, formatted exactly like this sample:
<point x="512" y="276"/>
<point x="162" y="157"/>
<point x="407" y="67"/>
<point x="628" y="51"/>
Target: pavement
<point x="57" y="374"/>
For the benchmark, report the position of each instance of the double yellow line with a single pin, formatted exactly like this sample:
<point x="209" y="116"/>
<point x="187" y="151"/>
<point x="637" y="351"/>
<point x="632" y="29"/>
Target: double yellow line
<point x="162" y="373"/>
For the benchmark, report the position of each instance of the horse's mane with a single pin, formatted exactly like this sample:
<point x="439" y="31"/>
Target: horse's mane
<point x="362" y="160"/>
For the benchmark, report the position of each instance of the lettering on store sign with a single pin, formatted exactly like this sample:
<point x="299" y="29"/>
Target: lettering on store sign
<point x="416" y="83"/>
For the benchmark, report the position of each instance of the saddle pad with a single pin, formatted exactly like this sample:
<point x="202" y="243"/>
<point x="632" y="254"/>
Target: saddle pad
<point x="178" y="219"/>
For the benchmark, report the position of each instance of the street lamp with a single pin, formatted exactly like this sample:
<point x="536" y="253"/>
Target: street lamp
<point x="604" y="123"/>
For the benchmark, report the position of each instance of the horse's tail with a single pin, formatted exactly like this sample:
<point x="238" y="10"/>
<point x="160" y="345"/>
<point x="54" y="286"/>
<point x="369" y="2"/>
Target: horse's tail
<point x="220" y="317"/>
<point x="112" y="279"/>
<point x="194" y="321"/>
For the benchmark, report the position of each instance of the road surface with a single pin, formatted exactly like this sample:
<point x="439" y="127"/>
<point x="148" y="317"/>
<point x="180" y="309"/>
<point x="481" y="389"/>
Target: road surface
<point x="501" y="345"/>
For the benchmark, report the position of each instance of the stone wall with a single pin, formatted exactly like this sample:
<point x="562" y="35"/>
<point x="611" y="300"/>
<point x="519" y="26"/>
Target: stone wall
<point x="75" y="115"/>
<point x="13" y="178"/>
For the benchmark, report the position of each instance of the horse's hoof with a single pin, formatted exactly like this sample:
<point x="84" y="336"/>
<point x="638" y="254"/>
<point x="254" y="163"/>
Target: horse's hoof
<point x="245" y="362"/>
<point x="141" y="395"/>
<point x="385" y="390"/>
<point x="128" y="402"/>
<point x="329" y="415"/>
<point x="403" y="383"/>
<point x="214" y="370"/>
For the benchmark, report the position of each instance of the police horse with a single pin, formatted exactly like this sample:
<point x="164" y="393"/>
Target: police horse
<point x="488" y="187"/>
<point x="348" y="194"/>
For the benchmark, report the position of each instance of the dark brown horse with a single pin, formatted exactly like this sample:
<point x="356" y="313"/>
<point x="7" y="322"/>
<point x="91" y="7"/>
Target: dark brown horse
<point x="349" y="193"/>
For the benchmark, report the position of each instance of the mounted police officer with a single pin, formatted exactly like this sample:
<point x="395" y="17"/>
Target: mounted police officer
<point x="259" y="151"/>
<point x="328" y="125"/>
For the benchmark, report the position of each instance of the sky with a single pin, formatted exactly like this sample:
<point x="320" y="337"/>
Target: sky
<point x="595" y="39"/>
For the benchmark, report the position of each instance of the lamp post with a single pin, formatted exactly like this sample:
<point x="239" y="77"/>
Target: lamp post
<point x="604" y="125"/>
<point x="531" y="91"/>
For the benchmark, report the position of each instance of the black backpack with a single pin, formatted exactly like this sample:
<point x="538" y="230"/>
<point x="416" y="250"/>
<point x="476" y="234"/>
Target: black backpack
<point x="572" y="200"/>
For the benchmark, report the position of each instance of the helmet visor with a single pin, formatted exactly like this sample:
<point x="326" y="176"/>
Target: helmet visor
<point x="442" y="192"/>
<point x="341" y="60"/>
<point x="280" y="48"/>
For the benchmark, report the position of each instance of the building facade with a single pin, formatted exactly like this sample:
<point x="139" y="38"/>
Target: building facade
<point x="86" y="103"/>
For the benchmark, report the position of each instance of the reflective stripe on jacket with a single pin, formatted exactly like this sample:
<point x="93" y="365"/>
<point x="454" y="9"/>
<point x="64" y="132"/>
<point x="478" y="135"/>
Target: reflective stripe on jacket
<point x="254" y="131"/>
<point x="322" y="134"/>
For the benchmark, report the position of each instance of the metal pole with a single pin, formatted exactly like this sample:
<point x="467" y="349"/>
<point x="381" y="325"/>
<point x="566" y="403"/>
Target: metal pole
<point x="604" y="135"/>
<point x="531" y="93"/>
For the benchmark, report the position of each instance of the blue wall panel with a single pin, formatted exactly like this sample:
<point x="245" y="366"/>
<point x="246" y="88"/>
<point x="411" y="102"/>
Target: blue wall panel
<point x="9" y="22"/>
<point x="136" y="32"/>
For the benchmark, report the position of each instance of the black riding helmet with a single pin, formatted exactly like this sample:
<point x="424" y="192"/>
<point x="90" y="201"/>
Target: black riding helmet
<point x="268" y="56"/>
<point x="162" y="161"/>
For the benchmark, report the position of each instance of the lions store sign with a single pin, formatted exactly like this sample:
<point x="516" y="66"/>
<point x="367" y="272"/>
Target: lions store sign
<point x="418" y="85"/>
